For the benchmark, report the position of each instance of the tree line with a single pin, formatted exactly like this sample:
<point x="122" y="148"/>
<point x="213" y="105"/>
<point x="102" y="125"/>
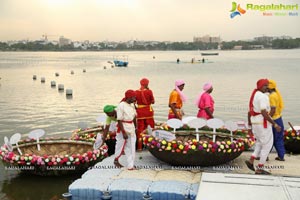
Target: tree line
<point x="173" y="46"/>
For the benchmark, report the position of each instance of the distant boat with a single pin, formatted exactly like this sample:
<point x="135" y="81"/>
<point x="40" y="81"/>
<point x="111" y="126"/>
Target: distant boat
<point x="120" y="62"/>
<point x="210" y="54"/>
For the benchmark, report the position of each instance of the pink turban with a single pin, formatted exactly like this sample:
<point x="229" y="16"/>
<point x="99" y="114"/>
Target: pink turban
<point x="205" y="88"/>
<point x="177" y="84"/>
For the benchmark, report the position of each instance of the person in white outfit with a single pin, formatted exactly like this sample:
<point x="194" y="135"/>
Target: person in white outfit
<point x="126" y="133"/>
<point x="261" y="123"/>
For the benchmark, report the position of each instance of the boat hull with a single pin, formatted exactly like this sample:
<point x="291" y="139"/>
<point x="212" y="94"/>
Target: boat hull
<point x="197" y="158"/>
<point x="185" y="150"/>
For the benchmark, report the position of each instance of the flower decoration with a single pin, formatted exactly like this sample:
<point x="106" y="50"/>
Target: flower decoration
<point x="242" y="143"/>
<point x="79" y="134"/>
<point x="51" y="160"/>
<point x="290" y="135"/>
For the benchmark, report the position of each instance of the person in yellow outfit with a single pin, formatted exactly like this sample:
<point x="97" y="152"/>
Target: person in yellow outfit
<point x="277" y="105"/>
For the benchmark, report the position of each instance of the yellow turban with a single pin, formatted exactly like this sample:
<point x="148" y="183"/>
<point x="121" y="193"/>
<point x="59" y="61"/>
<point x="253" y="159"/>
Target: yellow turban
<point x="272" y="85"/>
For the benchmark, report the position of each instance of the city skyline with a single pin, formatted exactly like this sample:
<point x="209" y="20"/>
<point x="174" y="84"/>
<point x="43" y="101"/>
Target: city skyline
<point x="123" y="20"/>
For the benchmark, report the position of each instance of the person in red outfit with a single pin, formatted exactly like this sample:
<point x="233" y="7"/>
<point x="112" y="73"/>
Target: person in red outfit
<point x="144" y="99"/>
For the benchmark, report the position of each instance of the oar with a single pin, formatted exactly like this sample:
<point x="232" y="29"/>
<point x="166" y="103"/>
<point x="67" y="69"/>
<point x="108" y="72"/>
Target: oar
<point x="232" y="126"/>
<point x="14" y="139"/>
<point x="174" y="123"/>
<point x="196" y="124"/>
<point x="292" y="127"/>
<point x="214" y="124"/>
<point x="98" y="141"/>
<point x="36" y="134"/>
<point x="9" y="146"/>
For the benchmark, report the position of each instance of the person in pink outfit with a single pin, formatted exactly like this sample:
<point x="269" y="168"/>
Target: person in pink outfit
<point x="205" y="102"/>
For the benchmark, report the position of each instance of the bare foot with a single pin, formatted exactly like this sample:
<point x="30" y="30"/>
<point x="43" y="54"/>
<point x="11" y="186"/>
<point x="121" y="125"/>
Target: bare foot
<point x="117" y="164"/>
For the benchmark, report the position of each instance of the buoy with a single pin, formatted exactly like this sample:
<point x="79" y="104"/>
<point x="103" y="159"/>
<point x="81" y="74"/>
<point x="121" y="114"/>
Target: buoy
<point x="83" y="70"/>
<point x="43" y="79"/>
<point x="34" y="77"/>
<point x="60" y="87"/>
<point x="106" y="195"/>
<point x="104" y="67"/>
<point x="69" y="92"/>
<point x="56" y="74"/>
<point x="53" y="83"/>
<point x="72" y="72"/>
<point x="67" y="196"/>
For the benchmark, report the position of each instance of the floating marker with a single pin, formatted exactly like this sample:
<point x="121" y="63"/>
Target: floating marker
<point x="34" y="77"/>
<point x="53" y="83"/>
<point x="56" y="74"/>
<point x="60" y="86"/>
<point x="69" y="92"/>
<point x="43" y="79"/>
<point x="72" y="72"/>
<point x="83" y="70"/>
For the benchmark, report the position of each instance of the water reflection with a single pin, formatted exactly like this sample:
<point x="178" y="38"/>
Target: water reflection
<point x="29" y="187"/>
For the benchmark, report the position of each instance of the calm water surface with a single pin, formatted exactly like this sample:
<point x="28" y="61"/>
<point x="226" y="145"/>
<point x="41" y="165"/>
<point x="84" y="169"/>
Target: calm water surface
<point x="26" y="104"/>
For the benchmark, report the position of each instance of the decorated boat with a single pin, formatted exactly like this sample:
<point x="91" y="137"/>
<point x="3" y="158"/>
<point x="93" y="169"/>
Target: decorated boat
<point x="50" y="156"/>
<point x="196" y="144"/>
<point x="292" y="140"/>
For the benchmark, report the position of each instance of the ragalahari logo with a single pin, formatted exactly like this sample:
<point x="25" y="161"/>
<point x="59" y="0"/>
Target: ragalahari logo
<point x="236" y="10"/>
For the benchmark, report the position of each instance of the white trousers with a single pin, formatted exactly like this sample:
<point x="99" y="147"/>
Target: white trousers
<point x="128" y="146"/>
<point x="264" y="141"/>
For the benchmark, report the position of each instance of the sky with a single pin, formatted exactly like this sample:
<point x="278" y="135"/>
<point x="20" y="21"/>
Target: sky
<point x="154" y="20"/>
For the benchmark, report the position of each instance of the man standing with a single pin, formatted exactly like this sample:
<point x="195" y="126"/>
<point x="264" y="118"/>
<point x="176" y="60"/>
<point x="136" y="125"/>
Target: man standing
<point x="277" y="105"/>
<point x="261" y="123"/>
<point x="126" y="133"/>
<point x="144" y="99"/>
<point x="176" y="100"/>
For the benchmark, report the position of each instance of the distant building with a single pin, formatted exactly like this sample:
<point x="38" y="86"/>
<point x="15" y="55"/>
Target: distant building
<point x="207" y="39"/>
<point x="258" y="46"/>
<point x="237" y="47"/>
<point x="267" y="39"/>
<point x="63" y="41"/>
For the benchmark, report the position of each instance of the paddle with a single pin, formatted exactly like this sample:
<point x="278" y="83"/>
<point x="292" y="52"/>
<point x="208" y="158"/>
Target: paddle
<point x="82" y="125"/>
<point x="185" y="120"/>
<point x="7" y="143"/>
<point x="98" y="141"/>
<point x="292" y="127"/>
<point x="149" y="130"/>
<point x="197" y="124"/>
<point x="214" y="124"/>
<point x="174" y="123"/>
<point x="36" y="134"/>
<point x="232" y="126"/>
<point x="14" y="139"/>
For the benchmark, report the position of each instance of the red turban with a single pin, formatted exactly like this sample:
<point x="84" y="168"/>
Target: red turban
<point x="261" y="83"/>
<point x="144" y="82"/>
<point x="130" y="94"/>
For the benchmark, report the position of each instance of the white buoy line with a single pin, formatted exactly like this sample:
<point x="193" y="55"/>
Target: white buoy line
<point x="61" y="87"/>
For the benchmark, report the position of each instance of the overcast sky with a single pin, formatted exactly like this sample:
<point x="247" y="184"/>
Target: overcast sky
<point x="122" y="20"/>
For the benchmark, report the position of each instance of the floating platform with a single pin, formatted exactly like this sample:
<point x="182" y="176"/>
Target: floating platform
<point x="153" y="179"/>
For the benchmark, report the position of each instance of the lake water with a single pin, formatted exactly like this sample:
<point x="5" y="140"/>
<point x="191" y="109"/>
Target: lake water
<point x="26" y="104"/>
